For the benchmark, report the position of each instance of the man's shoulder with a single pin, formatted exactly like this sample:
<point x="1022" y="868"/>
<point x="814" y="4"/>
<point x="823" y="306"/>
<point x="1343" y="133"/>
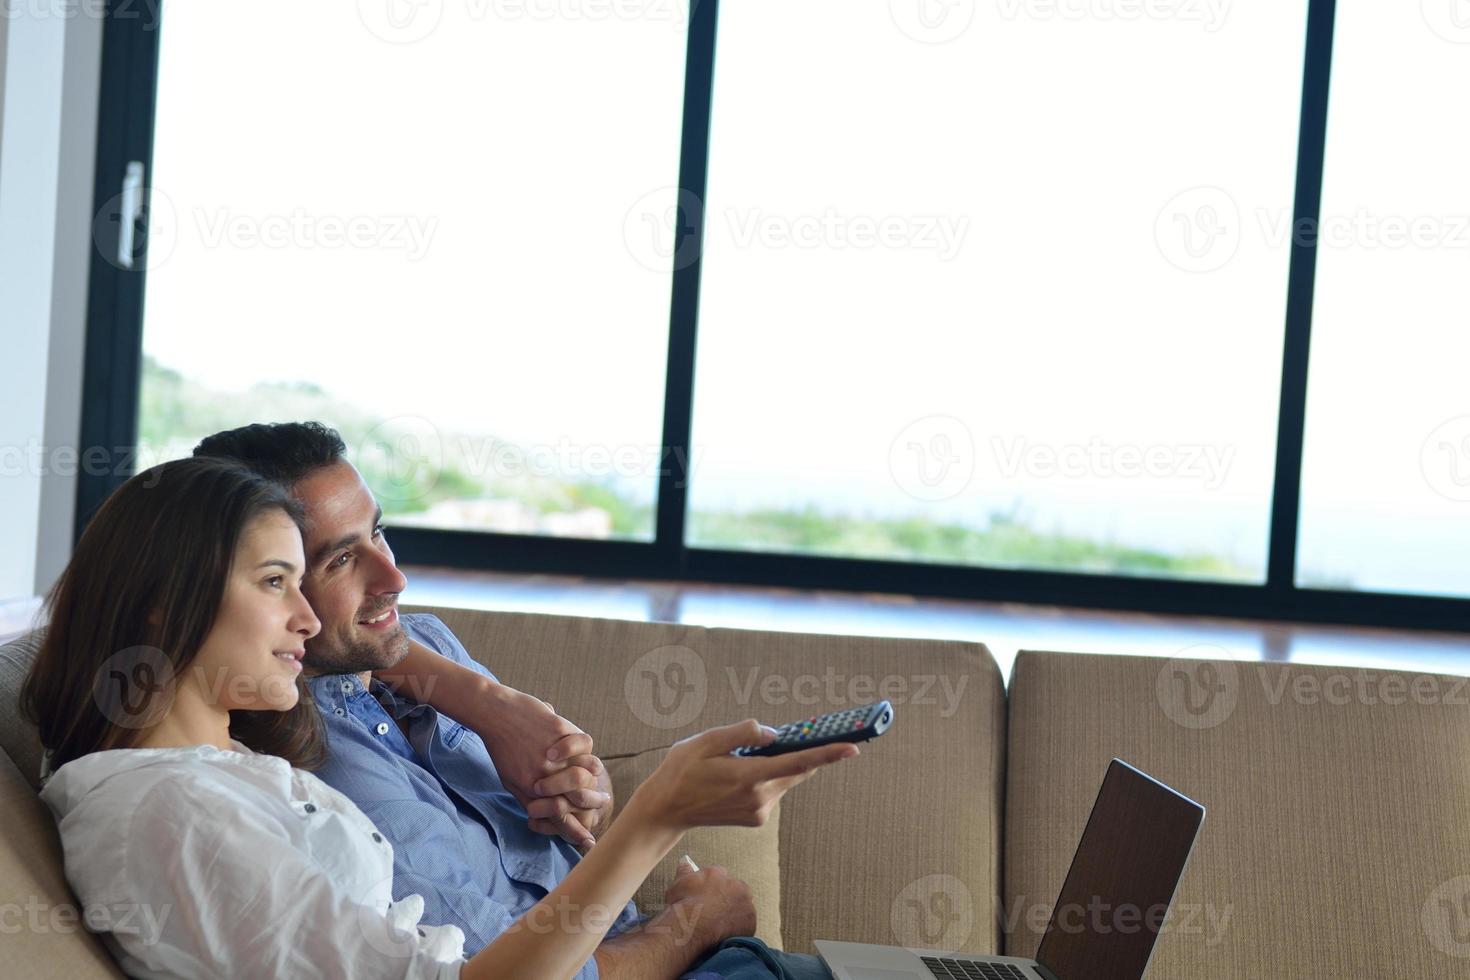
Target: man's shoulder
<point x="430" y="630"/>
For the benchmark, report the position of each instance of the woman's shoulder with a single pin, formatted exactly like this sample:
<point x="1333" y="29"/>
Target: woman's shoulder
<point x="197" y="780"/>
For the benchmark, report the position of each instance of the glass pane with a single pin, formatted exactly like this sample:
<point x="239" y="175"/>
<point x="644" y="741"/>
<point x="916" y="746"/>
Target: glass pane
<point x="1386" y="469"/>
<point x="410" y="220"/>
<point x="989" y="284"/>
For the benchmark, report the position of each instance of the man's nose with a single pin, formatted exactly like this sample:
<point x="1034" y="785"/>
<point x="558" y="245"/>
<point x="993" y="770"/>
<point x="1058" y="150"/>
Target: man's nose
<point x="386" y="577"/>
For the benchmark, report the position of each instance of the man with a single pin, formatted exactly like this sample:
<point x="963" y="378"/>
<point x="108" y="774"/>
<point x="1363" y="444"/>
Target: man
<point x="481" y="828"/>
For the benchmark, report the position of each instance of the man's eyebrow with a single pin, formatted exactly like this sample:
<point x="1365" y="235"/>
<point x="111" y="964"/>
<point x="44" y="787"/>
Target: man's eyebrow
<point x="281" y="562"/>
<point x="321" y="553"/>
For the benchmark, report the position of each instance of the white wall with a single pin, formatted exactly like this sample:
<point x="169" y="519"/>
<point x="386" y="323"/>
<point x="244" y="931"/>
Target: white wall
<point x="49" y="64"/>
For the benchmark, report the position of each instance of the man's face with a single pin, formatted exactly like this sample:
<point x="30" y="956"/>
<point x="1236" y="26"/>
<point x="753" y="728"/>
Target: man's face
<point x="351" y="579"/>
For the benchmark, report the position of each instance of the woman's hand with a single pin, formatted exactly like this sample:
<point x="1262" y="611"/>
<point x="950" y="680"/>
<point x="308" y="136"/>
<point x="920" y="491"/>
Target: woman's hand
<point x="700" y="784"/>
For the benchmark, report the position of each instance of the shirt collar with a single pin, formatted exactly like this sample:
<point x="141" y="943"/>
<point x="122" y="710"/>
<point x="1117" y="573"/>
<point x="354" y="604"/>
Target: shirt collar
<point x="334" y="689"/>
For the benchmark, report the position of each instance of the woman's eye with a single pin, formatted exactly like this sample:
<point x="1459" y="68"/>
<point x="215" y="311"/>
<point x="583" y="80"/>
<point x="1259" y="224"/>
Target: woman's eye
<point x="275" y="581"/>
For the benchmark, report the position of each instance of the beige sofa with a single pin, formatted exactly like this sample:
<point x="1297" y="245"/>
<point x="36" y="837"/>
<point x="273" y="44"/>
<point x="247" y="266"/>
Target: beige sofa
<point x="1337" y="842"/>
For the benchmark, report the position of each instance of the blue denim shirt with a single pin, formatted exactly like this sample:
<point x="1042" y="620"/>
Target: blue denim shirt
<point x="460" y="839"/>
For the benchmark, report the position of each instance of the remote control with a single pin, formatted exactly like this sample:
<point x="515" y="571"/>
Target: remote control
<point x="851" y="725"/>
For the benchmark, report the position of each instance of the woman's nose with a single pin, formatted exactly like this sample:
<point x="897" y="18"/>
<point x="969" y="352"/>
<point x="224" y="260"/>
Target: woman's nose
<point x="306" y="621"/>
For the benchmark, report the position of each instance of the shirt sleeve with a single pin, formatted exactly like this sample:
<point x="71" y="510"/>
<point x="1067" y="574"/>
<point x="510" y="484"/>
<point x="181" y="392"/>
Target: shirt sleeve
<point x="232" y="897"/>
<point x="432" y="633"/>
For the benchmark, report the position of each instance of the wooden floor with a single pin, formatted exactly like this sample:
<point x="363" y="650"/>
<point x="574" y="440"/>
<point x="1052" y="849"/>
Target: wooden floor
<point x="1004" y="628"/>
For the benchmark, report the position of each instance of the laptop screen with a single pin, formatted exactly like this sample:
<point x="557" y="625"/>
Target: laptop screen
<point x="1122" y="879"/>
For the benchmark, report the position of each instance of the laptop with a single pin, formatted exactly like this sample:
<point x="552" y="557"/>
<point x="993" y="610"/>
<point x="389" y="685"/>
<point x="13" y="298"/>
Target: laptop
<point x="1105" y="921"/>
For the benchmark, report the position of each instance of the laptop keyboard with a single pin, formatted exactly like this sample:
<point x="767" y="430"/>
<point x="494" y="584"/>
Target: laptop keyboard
<point x="948" y="969"/>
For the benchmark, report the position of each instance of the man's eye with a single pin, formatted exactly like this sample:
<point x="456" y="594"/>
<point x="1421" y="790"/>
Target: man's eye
<point x="340" y="560"/>
<point x="378" y="531"/>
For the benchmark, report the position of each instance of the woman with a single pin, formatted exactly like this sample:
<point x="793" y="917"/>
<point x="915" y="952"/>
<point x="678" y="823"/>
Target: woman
<point x="169" y="696"/>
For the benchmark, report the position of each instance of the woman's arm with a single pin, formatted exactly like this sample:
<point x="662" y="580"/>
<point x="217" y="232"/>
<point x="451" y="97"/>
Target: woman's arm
<point x="698" y="784"/>
<point x="560" y="933"/>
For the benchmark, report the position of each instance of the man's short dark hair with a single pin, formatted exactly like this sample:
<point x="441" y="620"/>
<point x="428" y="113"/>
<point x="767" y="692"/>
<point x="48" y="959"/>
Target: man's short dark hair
<point x="283" y="451"/>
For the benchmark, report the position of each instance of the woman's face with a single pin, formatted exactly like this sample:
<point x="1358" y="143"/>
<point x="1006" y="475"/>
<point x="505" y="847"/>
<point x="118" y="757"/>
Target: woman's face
<point x="252" y="656"/>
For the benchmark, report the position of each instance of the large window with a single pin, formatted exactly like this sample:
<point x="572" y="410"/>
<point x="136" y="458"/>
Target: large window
<point x="1016" y="301"/>
<point x="978" y="291"/>
<point x="411" y="220"/>
<point x="1386" y="468"/>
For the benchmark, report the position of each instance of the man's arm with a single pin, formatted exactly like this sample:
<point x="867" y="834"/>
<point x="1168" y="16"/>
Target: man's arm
<point x="659" y="949"/>
<point x="703" y="908"/>
<point x="518" y="730"/>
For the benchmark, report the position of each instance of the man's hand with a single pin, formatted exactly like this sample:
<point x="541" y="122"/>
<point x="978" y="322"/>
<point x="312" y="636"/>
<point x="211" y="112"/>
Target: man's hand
<point x="580" y="792"/>
<point x="710" y="904"/>
<point x="547" y="764"/>
<point x="702" y="909"/>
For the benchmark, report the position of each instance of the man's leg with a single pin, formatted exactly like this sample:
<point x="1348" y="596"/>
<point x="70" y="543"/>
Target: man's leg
<point x="745" y="958"/>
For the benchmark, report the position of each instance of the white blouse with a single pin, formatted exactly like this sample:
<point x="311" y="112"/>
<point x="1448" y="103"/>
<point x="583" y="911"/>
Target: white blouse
<point x="201" y="862"/>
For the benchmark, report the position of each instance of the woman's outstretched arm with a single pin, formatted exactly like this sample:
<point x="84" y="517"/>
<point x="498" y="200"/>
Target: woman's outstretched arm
<point x="698" y="784"/>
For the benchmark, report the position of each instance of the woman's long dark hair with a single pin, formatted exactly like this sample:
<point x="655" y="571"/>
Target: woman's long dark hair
<point x="135" y="604"/>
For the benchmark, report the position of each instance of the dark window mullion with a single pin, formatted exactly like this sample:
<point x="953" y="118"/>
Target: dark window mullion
<point x="113" y="352"/>
<point x="1291" y="421"/>
<point x="673" y="487"/>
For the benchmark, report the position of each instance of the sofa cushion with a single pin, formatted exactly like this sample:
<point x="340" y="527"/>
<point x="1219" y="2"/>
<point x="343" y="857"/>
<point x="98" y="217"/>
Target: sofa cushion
<point x="19" y="737"/>
<point x="1336" y="841"/>
<point x="752" y="854"/>
<point x="900" y="845"/>
<point x="44" y="928"/>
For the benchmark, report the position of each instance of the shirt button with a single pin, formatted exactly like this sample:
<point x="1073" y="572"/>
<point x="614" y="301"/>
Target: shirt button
<point x="346" y="685"/>
<point x="382" y="728"/>
<point x="310" y="808"/>
<point x="377" y="837"/>
<point x="341" y="711"/>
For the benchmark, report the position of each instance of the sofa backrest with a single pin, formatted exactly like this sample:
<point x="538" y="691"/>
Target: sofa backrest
<point x="1336" y="841"/>
<point x="44" y="929"/>
<point x="900" y="845"/>
<point x="18" y="737"/>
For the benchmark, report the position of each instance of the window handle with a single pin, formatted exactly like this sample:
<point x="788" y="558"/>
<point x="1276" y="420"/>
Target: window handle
<point x="132" y="212"/>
